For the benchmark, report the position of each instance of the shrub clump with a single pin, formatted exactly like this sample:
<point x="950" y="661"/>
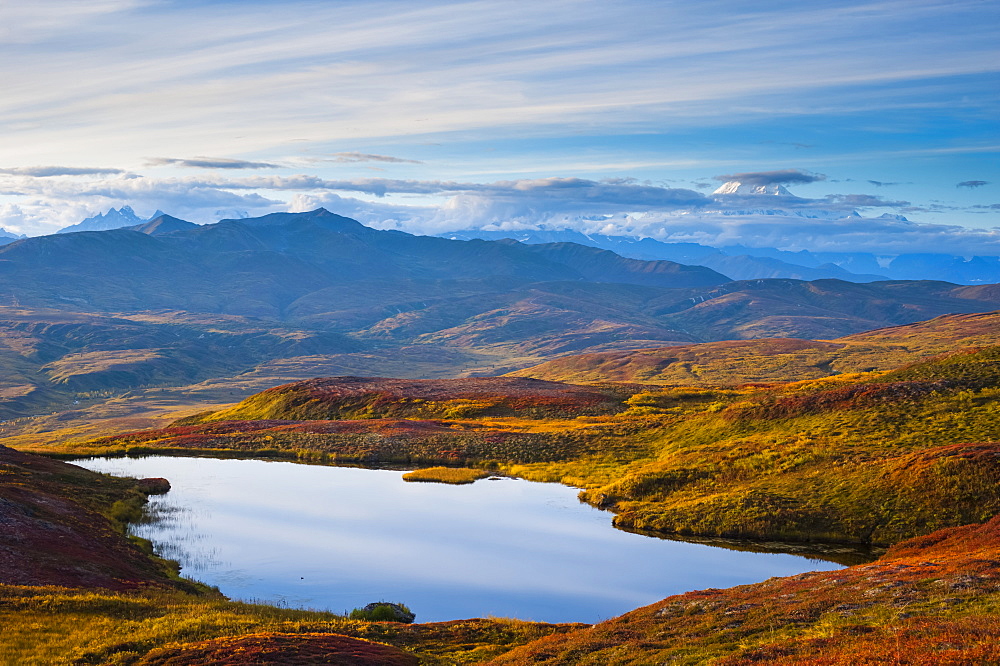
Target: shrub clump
<point x="383" y="611"/>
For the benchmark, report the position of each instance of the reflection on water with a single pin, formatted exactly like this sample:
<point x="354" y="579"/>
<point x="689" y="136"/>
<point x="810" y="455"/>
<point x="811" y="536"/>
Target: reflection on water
<point x="336" y="538"/>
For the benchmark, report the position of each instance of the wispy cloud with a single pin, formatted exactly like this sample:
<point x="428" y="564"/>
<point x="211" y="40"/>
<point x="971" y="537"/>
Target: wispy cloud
<point x="349" y="158"/>
<point x="972" y="184"/>
<point x="222" y="82"/>
<point x="861" y="201"/>
<point x="210" y="163"/>
<point x="51" y="171"/>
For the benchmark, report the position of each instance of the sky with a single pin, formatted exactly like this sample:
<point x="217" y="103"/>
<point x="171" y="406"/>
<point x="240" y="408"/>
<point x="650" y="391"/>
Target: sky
<point x="433" y="116"/>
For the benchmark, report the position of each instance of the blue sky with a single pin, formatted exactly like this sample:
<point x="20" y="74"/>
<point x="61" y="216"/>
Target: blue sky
<point x="440" y="115"/>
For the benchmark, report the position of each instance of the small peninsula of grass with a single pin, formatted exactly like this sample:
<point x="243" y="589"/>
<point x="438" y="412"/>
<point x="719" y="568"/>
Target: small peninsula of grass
<point x="456" y="475"/>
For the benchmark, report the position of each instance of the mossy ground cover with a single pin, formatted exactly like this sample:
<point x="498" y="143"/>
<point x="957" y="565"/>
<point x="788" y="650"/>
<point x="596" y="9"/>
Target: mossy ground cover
<point x="52" y="625"/>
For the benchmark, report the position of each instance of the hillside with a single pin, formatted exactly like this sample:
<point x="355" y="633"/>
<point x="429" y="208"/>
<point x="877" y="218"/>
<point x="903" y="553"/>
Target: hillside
<point x="932" y="600"/>
<point x="62" y="527"/>
<point x="772" y="360"/>
<point x="377" y="397"/>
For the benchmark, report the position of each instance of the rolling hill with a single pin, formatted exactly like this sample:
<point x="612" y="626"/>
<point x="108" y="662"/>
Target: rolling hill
<point x="772" y="360"/>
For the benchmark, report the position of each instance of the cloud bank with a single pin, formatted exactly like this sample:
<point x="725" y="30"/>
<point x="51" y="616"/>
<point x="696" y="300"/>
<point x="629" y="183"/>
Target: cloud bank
<point x="53" y="197"/>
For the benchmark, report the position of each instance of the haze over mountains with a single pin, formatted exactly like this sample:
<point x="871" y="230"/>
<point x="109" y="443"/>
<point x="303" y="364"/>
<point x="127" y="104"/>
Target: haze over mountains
<point x="746" y="263"/>
<point x="740" y="262"/>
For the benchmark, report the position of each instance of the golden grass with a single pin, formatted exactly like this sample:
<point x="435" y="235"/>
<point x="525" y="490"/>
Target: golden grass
<point x="54" y="625"/>
<point x="455" y="475"/>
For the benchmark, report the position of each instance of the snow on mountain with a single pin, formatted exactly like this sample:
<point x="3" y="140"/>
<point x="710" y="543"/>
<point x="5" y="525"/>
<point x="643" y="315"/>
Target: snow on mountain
<point x="751" y="189"/>
<point x="765" y="200"/>
<point x="113" y="219"/>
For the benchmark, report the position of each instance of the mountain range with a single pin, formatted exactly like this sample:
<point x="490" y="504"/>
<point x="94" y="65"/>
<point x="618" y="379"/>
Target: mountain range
<point x="296" y="295"/>
<point x="113" y="219"/>
<point x="736" y="261"/>
<point x="749" y="263"/>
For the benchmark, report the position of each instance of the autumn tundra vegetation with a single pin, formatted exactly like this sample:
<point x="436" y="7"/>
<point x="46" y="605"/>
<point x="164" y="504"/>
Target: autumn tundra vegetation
<point x="884" y="440"/>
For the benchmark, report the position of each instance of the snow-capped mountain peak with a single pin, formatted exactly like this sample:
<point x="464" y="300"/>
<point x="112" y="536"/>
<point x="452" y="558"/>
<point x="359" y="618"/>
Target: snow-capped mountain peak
<point x="113" y="219"/>
<point x="736" y="187"/>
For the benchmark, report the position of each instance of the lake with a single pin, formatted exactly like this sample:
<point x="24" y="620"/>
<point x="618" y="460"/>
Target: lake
<point x="337" y="538"/>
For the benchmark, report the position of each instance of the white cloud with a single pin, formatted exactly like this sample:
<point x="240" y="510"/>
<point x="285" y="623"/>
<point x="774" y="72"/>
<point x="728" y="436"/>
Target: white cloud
<point x="615" y="207"/>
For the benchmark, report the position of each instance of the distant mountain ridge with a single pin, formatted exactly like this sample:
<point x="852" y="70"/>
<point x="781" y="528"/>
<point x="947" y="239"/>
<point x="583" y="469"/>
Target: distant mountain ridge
<point x="737" y="262"/>
<point x="741" y="262"/>
<point x="262" y="266"/>
<point x="9" y="237"/>
<point x="162" y="224"/>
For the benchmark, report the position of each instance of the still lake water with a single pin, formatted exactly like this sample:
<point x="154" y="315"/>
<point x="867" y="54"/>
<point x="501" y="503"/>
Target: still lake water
<point x="336" y="538"/>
